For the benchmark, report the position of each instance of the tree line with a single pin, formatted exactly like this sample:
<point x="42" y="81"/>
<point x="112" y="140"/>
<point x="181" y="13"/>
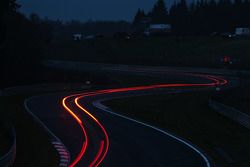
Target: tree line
<point x="22" y="41"/>
<point x="198" y="18"/>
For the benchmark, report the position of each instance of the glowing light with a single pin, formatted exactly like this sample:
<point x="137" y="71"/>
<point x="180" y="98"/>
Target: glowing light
<point x="104" y="144"/>
<point x="98" y="154"/>
<point x="85" y="143"/>
<point x="100" y="125"/>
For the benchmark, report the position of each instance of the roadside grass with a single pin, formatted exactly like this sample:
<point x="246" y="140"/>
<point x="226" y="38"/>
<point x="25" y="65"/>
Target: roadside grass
<point x="33" y="145"/>
<point x="188" y="116"/>
<point x="238" y="98"/>
<point x="129" y="80"/>
<point x="170" y="51"/>
<point x="5" y="139"/>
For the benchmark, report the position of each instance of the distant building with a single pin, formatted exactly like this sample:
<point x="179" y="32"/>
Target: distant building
<point x="89" y="37"/>
<point x="242" y="31"/>
<point x="77" y="37"/>
<point x="158" y="29"/>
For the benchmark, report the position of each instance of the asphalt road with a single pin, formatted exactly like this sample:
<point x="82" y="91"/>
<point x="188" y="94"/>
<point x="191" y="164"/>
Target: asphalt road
<point x="96" y="137"/>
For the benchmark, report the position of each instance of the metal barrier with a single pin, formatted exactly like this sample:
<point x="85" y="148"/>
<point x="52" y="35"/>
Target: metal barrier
<point x="231" y="113"/>
<point x="8" y="159"/>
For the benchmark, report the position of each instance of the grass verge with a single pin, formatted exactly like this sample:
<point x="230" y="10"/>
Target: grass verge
<point x="33" y="145"/>
<point x="5" y="139"/>
<point x="238" y="98"/>
<point x="170" y="51"/>
<point x="225" y="141"/>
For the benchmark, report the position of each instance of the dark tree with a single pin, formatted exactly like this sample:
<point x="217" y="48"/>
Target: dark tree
<point x="140" y="15"/>
<point x="21" y="45"/>
<point x="205" y="17"/>
<point x="225" y="15"/>
<point x="245" y="13"/>
<point x="7" y="7"/>
<point x="179" y="14"/>
<point x="159" y="12"/>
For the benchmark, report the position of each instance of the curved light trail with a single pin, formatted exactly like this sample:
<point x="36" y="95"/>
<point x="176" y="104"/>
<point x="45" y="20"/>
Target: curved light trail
<point x="103" y="129"/>
<point x="104" y="143"/>
<point x="85" y="143"/>
<point x="98" y="155"/>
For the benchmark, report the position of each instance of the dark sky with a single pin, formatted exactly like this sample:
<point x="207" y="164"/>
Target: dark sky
<point x="84" y="10"/>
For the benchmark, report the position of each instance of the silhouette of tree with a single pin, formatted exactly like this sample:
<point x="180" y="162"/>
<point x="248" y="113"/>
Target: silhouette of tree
<point x="34" y="18"/>
<point x="245" y="15"/>
<point x="21" y="44"/>
<point x="207" y="16"/>
<point x="139" y="16"/>
<point x="179" y="14"/>
<point x="159" y="12"/>
<point x="7" y="7"/>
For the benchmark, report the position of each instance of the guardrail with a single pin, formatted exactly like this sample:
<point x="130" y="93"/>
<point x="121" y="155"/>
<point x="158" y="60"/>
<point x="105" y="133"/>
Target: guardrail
<point x="8" y="159"/>
<point x="231" y="113"/>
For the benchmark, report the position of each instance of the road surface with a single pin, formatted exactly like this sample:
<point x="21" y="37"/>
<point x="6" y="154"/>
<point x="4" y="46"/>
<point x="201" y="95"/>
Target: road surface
<point x="95" y="136"/>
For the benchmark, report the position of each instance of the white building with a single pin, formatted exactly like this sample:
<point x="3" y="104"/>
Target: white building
<point x="158" y="28"/>
<point x="77" y="37"/>
<point x="242" y="31"/>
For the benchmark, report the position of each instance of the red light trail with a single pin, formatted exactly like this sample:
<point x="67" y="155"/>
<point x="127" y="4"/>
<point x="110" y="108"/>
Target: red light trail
<point x="104" y="143"/>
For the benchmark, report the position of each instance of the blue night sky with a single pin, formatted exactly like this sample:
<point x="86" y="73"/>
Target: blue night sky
<point x="84" y="10"/>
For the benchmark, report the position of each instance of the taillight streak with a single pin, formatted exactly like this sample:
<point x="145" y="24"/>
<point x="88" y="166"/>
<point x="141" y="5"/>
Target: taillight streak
<point x="104" y="144"/>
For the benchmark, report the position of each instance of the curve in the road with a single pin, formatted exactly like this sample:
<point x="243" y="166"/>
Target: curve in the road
<point x="104" y="143"/>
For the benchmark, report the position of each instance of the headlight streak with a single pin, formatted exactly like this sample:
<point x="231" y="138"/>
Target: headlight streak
<point x="104" y="144"/>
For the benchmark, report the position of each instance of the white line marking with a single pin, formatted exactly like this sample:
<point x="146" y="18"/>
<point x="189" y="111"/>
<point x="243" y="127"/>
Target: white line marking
<point x="63" y="160"/>
<point x="58" y="146"/>
<point x="61" y="149"/>
<point x="63" y="153"/>
<point x="63" y="164"/>
<point x="64" y="157"/>
<point x="98" y="105"/>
